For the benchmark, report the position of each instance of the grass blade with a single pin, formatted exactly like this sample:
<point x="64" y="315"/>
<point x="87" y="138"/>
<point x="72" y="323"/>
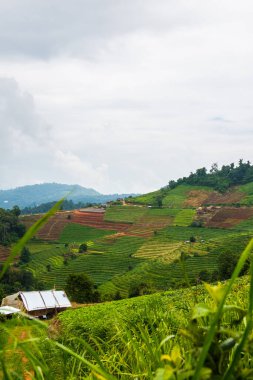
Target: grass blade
<point x="211" y="332"/>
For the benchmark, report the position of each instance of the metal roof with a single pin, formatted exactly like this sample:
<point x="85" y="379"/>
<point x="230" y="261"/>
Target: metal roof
<point x="46" y="299"/>
<point x="6" y="310"/>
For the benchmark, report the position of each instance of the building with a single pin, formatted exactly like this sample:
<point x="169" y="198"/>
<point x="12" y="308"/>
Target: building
<point x="38" y="303"/>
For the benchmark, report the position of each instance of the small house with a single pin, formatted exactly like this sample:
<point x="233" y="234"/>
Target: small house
<point x="39" y="303"/>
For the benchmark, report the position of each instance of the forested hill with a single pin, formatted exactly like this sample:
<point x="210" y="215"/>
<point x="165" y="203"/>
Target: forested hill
<point x="34" y="195"/>
<point x="229" y="185"/>
<point x="220" y="179"/>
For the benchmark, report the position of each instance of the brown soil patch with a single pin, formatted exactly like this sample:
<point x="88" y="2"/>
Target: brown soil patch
<point x="230" y="216"/>
<point x="196" y="198"/>
<point x="146" y="226"/>
<point x="227" y="198"/>
<point x="4" y="253"/>
<point x="53" y="228"/>
<point x="96" y="220"/>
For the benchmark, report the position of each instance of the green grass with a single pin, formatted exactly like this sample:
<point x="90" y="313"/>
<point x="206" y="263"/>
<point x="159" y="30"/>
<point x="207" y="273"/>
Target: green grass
<point x="177" y="197"/>
<point x="174" y="198"/>
<point x="127" y="214"/>
<point x="248" y="190"/>
<point x="246" y="225"/>
<point x="76" y="233"/>
<point x="184" y="218"/>
<point x="146" y="199"/>
<point x="147" y="336"/>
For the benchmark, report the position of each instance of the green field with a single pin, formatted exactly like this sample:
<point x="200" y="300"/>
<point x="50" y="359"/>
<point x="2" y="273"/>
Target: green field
<point x="117" y="263"/>
<point x="105" y="259"/>
<point x="184" y="218"/>
<point x="76" y="233"/>
<point x="127" y="214"/>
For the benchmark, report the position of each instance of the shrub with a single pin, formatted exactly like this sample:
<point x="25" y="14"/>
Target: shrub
<point x="83" y="248"/>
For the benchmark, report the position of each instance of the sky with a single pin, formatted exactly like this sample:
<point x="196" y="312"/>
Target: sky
<point x="123" y="95"/>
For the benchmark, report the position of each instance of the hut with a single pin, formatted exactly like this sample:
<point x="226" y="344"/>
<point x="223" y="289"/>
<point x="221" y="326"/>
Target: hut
<point x="38" y="303"/>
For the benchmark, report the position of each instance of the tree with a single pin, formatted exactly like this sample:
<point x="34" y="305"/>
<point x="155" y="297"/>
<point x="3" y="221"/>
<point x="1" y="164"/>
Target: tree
<point x="226" y="264"/>
<point x="80" y="288"/>
<point x="25" y="256"/>
<point x="159" y="201"/>
<point x="16" y="211"/>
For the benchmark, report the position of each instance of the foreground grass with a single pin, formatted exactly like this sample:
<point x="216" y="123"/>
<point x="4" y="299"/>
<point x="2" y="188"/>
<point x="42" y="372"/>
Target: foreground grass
<point x="160" y="336"/>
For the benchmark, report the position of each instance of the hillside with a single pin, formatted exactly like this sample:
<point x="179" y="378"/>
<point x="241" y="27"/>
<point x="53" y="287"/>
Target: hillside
<point x="196" y="235"/>
<point x="230" y="185"/>
<point x="137" y="249"/>
<point x="34" y="195"/>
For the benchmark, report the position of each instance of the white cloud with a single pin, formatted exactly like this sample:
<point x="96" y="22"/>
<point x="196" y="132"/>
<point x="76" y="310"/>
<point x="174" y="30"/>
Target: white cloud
<point x="125" y="95"/>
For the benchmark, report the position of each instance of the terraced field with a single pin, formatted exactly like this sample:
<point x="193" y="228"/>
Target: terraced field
<point x="160" y="275"/>
<point x="53" y="228"/>
<point x="104" y="260"/>
<point x="127" y="214"/>
<point x="131" y="245"/>
<point x="165" y="252"/>
<point x="96" y="220"/>
<point x="228" y="217"/>
<point x="79" y="233"/>
<point x="184" y="218"/>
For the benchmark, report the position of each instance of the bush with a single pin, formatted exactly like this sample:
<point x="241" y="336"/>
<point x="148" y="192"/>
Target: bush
<point x="83" y="248"/>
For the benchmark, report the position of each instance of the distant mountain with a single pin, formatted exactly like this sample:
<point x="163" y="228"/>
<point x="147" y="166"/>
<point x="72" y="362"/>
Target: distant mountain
<point x="33" y="195"/>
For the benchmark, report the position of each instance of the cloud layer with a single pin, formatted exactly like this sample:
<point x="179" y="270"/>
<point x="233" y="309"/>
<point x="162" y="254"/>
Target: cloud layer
<point x="123" y="96"/>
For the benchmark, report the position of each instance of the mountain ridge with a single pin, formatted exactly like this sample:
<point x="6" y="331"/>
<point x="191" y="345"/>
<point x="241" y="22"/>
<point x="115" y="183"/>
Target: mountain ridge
<point x="33" y="195"/>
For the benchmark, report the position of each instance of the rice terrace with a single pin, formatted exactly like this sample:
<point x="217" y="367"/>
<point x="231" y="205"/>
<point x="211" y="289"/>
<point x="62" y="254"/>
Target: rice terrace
<point x="136" y="270"/>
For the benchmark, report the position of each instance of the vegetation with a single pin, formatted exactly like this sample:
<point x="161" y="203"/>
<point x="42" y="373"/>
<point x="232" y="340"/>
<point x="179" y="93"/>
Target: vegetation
<point x="200" y="332"/>
<point x="44" y="207"/>
<point x="77" y="233"/>
<point x="25" y="256"/>
<point x="80" y="288"/>
<point x="10" y="227"/>
<point x="82" y="248"/>
<point x="219" y="179"/>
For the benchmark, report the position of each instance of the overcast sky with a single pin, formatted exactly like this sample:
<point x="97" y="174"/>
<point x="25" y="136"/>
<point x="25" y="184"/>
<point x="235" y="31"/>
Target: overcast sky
<point x="123" y="95"/>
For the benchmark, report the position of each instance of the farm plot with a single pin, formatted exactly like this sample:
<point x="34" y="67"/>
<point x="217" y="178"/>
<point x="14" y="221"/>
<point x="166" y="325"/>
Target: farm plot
<point x="230" y="216"/>
<point x="233" y="196"/>
<point x="246" y="225"/>
<point x="53" y="228"/>
<point x="29" y="220"/>
<point x="175" y="234"/>
<point x="79" y="233"/>
<point x="159" y="275"/>
<point x="196" y="198"/>
<point x="165" y="252"/>
<point x="148" y="224"/>
<point x="177" y="198"/>
<point x="184" y="218"/>
<point x="127" y="214"/>
<point x="96" y="220"/>
<point x="102" y="262"/>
